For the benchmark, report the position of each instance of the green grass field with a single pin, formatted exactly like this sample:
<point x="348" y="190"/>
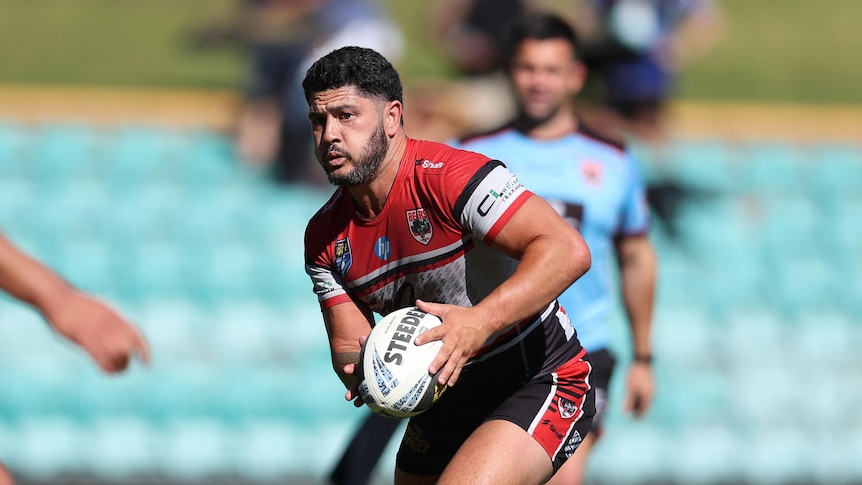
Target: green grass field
<point x="771" y="50"/>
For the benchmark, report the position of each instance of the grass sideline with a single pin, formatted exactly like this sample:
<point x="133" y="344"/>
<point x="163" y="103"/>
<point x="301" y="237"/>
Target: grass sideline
<point x="772" y="50"/>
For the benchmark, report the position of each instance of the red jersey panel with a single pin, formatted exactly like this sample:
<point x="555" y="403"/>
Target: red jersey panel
<point x="430" y="241"/>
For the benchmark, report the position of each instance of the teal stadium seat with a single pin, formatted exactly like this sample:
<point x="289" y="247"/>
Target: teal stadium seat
<point x="50" y="446"/>
<point x="774" y="168"/>
<point x="705" y="164"/>
<point x="15" y="144"/>
<point x="806" y="284"/>
<point x="647" y="161"/>
<point x="209" y="161"/>
<point x="196" y="450"/>
<point x="64" y="153"/>
<point x="124" y="397"/>
<point x="182" y="390"/>
<point x="139" y="155"/>
<point x="635" y="453"/>
<point x="753" y="336"/>
<point x="273" y="450"/>
<point x="837" y="172"/>
<point x="776" y="454"/>
<point x="685" y="335"/>
<point x="703" y="454"/>
<point x="120" y="447"/>
<point x="791" y="227"/>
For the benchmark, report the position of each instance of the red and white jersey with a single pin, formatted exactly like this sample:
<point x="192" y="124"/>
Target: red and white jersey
<point x="430" y="241"/>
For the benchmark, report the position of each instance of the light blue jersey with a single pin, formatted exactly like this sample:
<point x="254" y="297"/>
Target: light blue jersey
<point x="596" y="186"/>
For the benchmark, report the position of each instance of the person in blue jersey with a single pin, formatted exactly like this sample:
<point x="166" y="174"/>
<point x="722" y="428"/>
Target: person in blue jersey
<point x="595" y="185"/>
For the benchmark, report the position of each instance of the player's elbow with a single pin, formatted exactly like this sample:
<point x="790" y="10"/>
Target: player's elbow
<point x="579" y="258"/>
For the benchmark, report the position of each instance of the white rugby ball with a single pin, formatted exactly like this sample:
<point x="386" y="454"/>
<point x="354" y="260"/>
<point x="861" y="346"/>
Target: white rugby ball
<point x="394" y="378"/>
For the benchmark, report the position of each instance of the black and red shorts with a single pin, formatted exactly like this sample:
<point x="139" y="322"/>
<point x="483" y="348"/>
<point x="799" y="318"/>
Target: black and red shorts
<point x="545" y="392"/>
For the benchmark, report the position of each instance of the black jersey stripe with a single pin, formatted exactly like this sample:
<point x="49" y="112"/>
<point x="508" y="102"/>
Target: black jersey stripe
<point x="473" y="184"/>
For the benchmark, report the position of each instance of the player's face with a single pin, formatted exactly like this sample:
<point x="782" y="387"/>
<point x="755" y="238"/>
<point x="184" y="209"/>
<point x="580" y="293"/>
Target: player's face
<point x="345" y="123"/>
<point x="545" y="75"/>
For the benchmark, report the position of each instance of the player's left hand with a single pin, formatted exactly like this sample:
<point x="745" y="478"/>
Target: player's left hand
<point x="110" y="340"/>
<point x="462" y="333"/>
<point x="640" y="389"/>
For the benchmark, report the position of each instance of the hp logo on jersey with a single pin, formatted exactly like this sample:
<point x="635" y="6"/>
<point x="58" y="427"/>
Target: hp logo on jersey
<point x="383" y="248"/>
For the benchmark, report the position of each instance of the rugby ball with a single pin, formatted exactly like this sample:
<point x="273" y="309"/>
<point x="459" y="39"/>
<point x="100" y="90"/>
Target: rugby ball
<point x="394" y="379"/>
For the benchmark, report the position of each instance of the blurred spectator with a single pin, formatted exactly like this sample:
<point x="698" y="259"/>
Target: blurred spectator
<point x="85" y="321"/>
<point x="471" y="34"/>
<point x="636" y="48"/>
<point x="283" y="38"/>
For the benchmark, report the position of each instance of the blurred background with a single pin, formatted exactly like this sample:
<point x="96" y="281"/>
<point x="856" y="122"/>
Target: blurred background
<point x="149" y="154"/>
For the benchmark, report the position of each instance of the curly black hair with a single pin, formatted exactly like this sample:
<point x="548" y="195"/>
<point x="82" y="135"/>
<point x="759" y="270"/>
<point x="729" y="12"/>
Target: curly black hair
<point x="365" y="69"/>
<point x="540" y="26"/>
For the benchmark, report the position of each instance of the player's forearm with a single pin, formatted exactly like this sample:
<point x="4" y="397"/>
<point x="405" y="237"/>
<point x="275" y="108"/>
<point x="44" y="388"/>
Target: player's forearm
<point x="342" y="359"/>
<point x="546" y="269"/>
<point x="637" y="276"/>
<point x="30" y="281"/>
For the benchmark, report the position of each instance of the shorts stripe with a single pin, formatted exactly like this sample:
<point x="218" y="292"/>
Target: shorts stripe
<point x="559" y="426"/>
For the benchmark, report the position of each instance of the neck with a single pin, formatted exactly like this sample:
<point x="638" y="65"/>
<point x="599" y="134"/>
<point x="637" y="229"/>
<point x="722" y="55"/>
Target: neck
<point x="561" y="123"/>
<point x="371" y="197"/>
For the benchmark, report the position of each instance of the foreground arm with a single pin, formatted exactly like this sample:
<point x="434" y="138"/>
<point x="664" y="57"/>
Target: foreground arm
<point x="637" y="263"/>
<point x="95" y="327"/>
<point x="347" y="327"/>
<point x="552" y="256"/>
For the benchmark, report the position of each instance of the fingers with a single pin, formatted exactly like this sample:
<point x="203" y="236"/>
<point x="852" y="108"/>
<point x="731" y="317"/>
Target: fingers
<point x="142" y="348"/>
<point x="637" y="402"/>
<point x="352" y="394"/>
<point x="435" y="333"/>
<point x="453" y="366"/>
<point x="432" y="308"/>
<point x="460" y="340"/>
<point x="449" y="365"/>
<point x="115" y="346"/>
<point x="632" y="404"/>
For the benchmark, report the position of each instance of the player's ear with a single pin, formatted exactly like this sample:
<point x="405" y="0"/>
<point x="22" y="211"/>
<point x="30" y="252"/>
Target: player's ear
<point x="578" y="76"/>
<point x="392" y="117"/>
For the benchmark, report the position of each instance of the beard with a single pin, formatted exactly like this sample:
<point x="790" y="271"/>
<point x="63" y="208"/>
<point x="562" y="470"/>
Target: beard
<point x="367" y="164"/>
<point x="531" y="120"/>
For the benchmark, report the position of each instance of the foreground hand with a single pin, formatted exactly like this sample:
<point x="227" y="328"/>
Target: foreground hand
<point x="640" y="389"/>
<point x="353" y="371"/>
<point x="463" y="333"/>
<point x="110" y="340"/>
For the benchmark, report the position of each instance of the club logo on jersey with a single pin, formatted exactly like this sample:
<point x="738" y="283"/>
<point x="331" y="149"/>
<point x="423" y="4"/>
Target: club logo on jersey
<point x="343" y="256"/>
<point x="567" y="408"/>
<point x="592" y="172"/>
<point x="420" y="225"/>
<point x="383" y="248"/>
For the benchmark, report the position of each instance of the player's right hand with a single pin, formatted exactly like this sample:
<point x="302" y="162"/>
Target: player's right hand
<point x="353" y="370"/>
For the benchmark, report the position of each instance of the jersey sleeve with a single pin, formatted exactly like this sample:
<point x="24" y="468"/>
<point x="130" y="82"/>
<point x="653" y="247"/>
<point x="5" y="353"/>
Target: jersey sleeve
<point x="489" y="200"/>
<point x="634" y="218"/>
<point x="319" y="265"/>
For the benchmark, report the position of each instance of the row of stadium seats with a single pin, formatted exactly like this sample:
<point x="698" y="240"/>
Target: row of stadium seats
<point x="756" y="325"/>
